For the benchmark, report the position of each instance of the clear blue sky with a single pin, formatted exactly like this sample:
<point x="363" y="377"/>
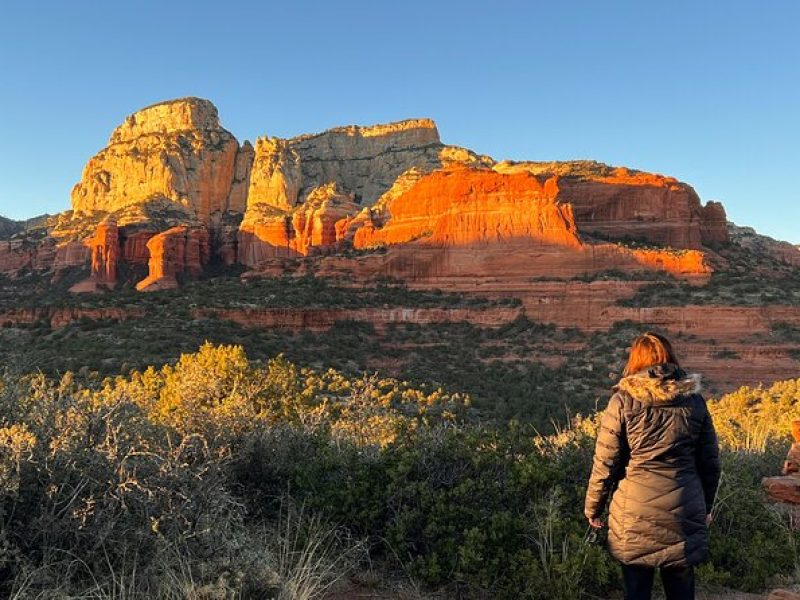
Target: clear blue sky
<point x="706" y="91"/>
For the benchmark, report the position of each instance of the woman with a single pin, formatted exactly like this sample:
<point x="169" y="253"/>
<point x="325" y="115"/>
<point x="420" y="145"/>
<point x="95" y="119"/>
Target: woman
<point x="658" y="459"/>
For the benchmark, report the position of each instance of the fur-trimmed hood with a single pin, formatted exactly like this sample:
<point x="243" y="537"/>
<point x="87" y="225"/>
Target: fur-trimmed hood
<point x="662" y="383"/>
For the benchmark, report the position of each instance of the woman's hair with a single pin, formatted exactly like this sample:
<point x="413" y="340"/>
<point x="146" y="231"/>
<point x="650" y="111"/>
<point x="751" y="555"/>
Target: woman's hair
<point x="648" y="350"/>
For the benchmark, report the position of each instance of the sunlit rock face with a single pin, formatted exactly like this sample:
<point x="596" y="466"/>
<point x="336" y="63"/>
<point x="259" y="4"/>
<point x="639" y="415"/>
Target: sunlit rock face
<point x="175" y="150"/>
<point x="105" y="253"/>
<point x="619" y="203"/>
<point x="464" y="206"/>
<point x="268" y="232"/>
<point x="172" y="165"/>
<point x="175" y="252"/>
<point x="363" y="161"/>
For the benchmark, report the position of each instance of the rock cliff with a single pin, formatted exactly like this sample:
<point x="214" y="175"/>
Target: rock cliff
<point x="363" y="161"/>
<point x="176" y="252"/>
<point x="431" y="210"/>
<point x="619" y="203"/>
<point x="175" y="150"/>
<point x="462" y="206"/>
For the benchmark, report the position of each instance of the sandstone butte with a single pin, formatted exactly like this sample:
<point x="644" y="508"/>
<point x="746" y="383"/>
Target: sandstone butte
<point x="441" y="211"/>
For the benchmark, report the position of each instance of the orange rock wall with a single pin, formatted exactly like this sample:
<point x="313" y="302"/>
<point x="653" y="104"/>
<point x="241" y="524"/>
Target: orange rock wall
<point x="462" y="206"/>
<point x="177" y="251"/>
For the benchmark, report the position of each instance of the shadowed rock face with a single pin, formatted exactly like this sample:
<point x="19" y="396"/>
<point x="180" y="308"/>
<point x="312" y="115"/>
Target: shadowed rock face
<point x="177" y="251"/>
<point x="9" y="227"/>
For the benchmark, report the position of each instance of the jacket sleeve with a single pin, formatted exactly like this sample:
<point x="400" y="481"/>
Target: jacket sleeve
<point x="707" y="460"/>
<point x="611" y="456"/>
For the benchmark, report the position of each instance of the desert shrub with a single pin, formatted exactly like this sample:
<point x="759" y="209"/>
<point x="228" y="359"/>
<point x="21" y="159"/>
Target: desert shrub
<point x="221" y="477"/>
<point x="757" y="419"/>
<point x="102" y="482"/>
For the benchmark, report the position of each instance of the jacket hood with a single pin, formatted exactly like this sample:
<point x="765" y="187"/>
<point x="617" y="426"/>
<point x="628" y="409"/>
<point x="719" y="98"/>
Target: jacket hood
<point x="662" y="383"/>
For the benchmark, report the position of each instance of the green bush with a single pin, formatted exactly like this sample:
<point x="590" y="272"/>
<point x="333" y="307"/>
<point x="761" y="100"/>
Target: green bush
<point x="179" y="478"/>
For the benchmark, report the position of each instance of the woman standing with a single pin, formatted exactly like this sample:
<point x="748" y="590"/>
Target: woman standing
<point x="657" y="458"/>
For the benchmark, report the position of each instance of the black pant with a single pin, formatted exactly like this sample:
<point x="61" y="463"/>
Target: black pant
<point x="678" y="582"/>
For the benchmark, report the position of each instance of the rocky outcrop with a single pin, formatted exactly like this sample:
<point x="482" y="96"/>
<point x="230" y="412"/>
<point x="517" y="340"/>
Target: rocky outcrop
<point x="105" y="251"/>
<point x="785" y="489"/>
<point x="618" y="203"/>
<point x="9" y="228"/>
<point x="362" y="161"/>
<point x="179" y="251"/>
<point x="268" y="232"/>
<point x="426" y="210"/>
<point x="21" y="254"/>
<point x="243" y="166"/>
<point x="465" y="206"/>
<point x="747" y="238"/>
<point x="465" y="222"/>
<point x="175" y="150"/>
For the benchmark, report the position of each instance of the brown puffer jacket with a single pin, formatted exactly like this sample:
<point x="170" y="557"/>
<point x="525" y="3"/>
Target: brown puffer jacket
<point x="657" y="454"/>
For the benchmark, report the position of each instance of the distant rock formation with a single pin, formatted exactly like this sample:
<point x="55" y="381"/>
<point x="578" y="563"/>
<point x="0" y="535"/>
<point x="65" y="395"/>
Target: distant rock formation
<point x="9" y="227"/>
<point x="174" y="150"/>
<point x="172" y="165"/>
<point x="462" y="206"/>
<point x="747" y="237"/>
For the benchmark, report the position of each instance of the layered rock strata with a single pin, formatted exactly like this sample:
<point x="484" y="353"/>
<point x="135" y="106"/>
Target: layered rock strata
<point x="619" y="203"/>
<point x="442" y="211"/>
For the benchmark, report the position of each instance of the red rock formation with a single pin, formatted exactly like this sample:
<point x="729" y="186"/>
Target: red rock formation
<point x="268" y="232"/>
<point x="174" y="150"/>
<point x="468" y="223"/>
<point x="73" y="253"/>
<point x="134" y="245"/>
<point x="58" y="317"/>
<point x="319" y="319"/>
<point x="713" y="224"/>
<point x="104" y="246"/>
<point x="177" y="251"/>
<point x="616" y="203"/>
<point x="19" y="254"/>
<point x="105" y="253"/>
<point x="463" y="206"/>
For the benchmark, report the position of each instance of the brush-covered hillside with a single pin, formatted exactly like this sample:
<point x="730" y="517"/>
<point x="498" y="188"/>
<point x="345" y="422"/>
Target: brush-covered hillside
<point x="223" y="477"/>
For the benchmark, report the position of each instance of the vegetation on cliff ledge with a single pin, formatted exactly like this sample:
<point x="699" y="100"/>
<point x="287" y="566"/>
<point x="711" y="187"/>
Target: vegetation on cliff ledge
<point x="743" y="278"/>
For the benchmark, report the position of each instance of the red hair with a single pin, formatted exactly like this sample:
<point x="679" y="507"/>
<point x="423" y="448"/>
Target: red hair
<point x="648" y="350"/>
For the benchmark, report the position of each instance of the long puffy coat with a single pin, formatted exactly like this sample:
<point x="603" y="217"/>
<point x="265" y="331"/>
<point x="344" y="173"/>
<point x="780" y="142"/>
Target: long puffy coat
<point x="657" y="456"/>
